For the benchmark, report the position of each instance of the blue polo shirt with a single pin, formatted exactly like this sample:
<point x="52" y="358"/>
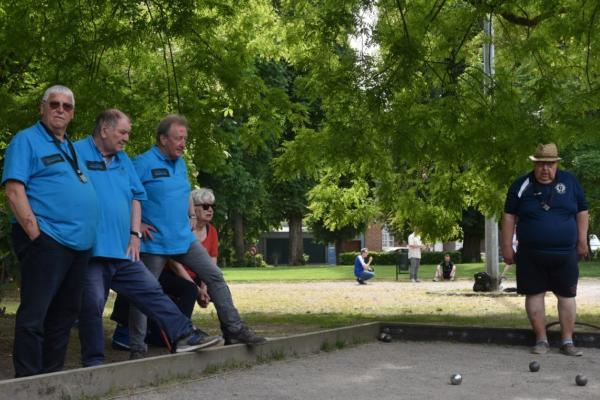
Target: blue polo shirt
<point x="167" y="207"/>
<point x="66" y="209"/>
<point x="546" y="213"/>
<point x="117" y="185"/>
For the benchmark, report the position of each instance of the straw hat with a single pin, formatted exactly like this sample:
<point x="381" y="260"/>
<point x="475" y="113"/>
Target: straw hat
<point x="545" y="152"/>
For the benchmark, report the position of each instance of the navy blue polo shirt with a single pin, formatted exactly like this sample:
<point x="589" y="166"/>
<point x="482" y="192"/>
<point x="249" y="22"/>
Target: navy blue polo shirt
<point x="117" y="185"/>
<point x="65" y="208"/>
<point x="167" y="207"/>
<point x="546" y="213"/>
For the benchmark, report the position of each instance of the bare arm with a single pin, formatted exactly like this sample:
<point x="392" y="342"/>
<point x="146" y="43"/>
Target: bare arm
<point x="178" y="270"/>
<point x="192" y="213"/>
<point x="133" y="249"/>
<point x="583" y="218"/>
<point x="19" y="204"/>
<point x="508" y="229"/>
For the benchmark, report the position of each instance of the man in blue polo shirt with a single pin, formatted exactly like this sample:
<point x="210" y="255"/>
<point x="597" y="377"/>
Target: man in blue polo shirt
<point x="168" y="219"/>
<point x="55" y="211"/>
<point x="550" y="212"/>
<point x="115" y="260"/>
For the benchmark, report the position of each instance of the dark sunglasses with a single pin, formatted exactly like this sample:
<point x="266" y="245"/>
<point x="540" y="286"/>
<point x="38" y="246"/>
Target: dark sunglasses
<point x="205" y="207"/>
<point x="54" y="105"/>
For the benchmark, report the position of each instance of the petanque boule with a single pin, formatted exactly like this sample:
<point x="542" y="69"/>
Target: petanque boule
<point x="385" y="337"/>
<point x="534" y="366"/>
<point x="581" y="380"/>
<point x="456" y="379"/>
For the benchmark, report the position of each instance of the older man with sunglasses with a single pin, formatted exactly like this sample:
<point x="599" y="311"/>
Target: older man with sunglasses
<point x="550" y="212"/>
<point x="55" y="215"/>
<point x="168" y="218"/>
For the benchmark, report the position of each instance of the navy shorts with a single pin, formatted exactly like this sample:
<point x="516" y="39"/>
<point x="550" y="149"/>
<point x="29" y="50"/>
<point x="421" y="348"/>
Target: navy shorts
<point x="539" y="272"/>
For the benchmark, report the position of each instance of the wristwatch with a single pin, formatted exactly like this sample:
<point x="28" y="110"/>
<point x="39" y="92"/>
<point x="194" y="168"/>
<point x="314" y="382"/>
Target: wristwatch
<point x="136" y="233"/>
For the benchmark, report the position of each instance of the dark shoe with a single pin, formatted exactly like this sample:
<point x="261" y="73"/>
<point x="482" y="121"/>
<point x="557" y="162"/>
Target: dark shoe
<point x="194" y="341"/>
<point x="244" y="335"/>
<point x="569" y="349"/>
<point x="361" y="282"/>
<point x="541" y="347"/>
<point x="137" y="355"/>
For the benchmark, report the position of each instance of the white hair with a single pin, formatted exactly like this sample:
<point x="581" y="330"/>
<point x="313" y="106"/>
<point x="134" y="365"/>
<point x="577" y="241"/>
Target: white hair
<point x="58" y="89"/>
<point x="203" y="196"/>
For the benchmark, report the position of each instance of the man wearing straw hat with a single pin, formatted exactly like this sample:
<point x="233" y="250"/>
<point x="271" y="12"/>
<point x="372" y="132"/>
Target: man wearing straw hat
<point x="552" y="215"/>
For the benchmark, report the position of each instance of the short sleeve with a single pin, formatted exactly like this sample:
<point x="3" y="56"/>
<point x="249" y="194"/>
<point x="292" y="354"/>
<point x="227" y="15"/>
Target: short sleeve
<point x="511" y="204"/>
<point x="18" y="163"/>
<point x="137" y="189"/>
<point x="582" y="204"/>
<point x="213" y="247"/>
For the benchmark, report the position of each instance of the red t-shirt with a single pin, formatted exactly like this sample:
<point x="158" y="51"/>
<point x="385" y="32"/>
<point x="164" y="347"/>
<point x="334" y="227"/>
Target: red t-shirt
<point x="210" y="243"/>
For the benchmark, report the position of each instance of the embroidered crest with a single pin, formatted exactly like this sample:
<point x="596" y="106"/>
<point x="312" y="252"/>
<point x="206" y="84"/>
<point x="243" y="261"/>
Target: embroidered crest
<point x="561" y="188"/>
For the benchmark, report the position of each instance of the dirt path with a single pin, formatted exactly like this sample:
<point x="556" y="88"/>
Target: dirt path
<point x="343" y="297"/>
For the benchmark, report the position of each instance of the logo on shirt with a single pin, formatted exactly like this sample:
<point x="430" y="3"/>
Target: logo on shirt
<point x="52" y="159"/>
<point x="561" y="188"/>
<point x="96" y="165"/>
<point x="160" y="173"/>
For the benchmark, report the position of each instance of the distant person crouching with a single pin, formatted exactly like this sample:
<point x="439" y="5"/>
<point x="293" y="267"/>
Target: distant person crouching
<point x="445" y="270"/>
<point x="362" y="270"/>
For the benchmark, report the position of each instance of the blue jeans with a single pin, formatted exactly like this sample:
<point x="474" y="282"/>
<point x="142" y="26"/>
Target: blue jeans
<point x="140" y="287"/>
<point x="198" y="260"/>
<point x="51" y="276"/>
<point x="366" y="275"/>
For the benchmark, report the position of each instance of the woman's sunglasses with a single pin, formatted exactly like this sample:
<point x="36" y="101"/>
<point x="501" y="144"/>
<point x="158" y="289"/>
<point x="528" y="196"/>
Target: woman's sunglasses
<point x="205" y="207"/>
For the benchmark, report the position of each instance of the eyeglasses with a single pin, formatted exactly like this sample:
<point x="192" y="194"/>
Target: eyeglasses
<point x="205" y="207"/>
<point x="54" y="105"/>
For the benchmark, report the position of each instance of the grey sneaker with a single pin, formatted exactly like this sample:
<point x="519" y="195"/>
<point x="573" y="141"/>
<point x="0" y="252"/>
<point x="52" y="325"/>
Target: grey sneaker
<point x="569" y="349"/>
<point x="195" y="340"/>
<point x="244" y="335"/>
<point x="137" y="355"/>
<point x="541" y="347"/>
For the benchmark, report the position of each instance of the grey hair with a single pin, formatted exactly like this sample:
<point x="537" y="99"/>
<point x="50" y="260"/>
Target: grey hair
<point x="364" y="250"/>
<point x="163" y="126"/>
<point x="58" y="89"/>
<point x="203" y="196"/>
<point x="109" y="117"/>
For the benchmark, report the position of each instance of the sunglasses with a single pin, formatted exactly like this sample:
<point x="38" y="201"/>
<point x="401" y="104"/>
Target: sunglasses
<point x="205" y="207"/>
<point x="54" y="105"/>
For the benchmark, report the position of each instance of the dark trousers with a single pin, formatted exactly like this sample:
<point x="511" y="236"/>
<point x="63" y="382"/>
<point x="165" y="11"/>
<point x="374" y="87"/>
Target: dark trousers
<point x="51" y="288"/>
<point x="183" y="293"/>
<point x="136" y="283"/>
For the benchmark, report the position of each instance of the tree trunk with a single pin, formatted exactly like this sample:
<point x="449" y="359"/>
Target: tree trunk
<point x="471" y="251"/>
<point x="238" y="239"/>
<point x="296" y="241"/>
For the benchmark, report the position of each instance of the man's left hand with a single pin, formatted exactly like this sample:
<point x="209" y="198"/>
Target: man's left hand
<point x="133" y="249"/>
<point x="582" y="248"/>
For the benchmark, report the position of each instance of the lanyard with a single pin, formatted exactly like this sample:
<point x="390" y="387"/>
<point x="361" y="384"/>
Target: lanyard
<point x="537" y="193"/>
<point x="71" y="159"/>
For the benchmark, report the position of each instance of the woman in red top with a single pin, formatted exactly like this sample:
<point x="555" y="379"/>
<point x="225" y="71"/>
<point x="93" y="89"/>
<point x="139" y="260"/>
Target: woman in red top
<point x="204" y="206"/>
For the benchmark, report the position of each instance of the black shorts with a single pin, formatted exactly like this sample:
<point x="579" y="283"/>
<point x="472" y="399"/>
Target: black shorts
<point x="539" y="272"/>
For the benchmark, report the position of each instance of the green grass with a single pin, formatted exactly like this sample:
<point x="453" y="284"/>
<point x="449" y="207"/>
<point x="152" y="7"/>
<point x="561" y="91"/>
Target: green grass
<point x="383" y="272"/>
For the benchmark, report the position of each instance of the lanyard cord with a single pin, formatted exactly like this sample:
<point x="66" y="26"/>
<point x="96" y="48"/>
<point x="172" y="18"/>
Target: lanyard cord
<point x="71" y="159"/>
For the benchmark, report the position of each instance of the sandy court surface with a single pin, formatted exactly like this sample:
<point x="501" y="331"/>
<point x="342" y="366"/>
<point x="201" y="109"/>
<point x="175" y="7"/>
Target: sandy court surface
<point x="401" y="370"/>
<point x="389" y="298"/>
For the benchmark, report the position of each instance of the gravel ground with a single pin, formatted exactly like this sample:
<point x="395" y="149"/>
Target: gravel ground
<point x="401" y="370"/>
<point x="392" y="298"/>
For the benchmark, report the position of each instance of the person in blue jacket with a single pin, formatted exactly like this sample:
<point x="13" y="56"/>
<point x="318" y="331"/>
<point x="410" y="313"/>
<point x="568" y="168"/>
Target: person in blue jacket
<point x="115" y="259"/>
<point x="55" y="214"/>
<point x="362" y="269"/>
